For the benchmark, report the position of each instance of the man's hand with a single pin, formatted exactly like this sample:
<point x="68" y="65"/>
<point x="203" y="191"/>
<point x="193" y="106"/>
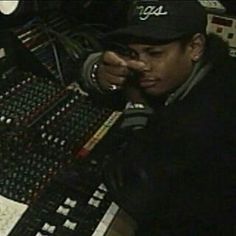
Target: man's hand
<point x="115" y="69"/>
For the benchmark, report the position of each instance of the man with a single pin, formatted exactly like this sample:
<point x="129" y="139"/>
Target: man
<point x="176" y="173"/>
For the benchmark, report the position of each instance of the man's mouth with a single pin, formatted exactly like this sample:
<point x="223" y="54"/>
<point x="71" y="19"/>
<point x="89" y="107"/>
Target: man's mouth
<point x="147" y="83"/>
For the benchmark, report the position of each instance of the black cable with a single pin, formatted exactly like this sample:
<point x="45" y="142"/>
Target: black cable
<point x="55" y="52"/>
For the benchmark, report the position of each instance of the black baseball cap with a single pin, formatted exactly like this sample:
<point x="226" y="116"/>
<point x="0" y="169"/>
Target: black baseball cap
<point x="162" y="20"/>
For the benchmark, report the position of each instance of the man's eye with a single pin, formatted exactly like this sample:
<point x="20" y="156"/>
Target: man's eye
<point x="128" y="53"/>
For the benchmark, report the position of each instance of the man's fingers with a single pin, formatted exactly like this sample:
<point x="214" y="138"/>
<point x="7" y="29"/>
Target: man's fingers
<point x="111" y="58"/>
<point x="136" y="65"/>
<point x="109" y="79"/>
<point x="114" y="70"/>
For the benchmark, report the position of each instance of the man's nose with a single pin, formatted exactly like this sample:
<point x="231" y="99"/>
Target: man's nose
<point x="146" y="61"/>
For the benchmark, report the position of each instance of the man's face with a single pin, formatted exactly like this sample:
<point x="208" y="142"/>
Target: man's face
<point x="167" y="66"/>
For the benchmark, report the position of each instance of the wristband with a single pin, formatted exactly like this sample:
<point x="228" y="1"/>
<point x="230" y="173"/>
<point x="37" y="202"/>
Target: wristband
<point x="94" y="72"/>
<point x="93" y="76"/>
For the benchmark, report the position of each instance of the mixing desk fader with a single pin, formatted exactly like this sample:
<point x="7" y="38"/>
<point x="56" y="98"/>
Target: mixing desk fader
<point x="25" y="98"/>
<point x="62" y="211"/>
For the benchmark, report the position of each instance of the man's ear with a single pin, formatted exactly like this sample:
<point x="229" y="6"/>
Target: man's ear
<point x="197" y="46"/>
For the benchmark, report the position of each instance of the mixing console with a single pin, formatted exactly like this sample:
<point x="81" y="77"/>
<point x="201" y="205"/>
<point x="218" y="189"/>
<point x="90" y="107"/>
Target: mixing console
<point x="44" y="126"/>
<point x="75" y="203"/>
<point x="33" y="161"/>
<point x="68" y="211"/>
<point x="47" y="130"/>
<point x="22" y="101"/>
<point x="71" y="121"/>
<point x="50" y="176"/>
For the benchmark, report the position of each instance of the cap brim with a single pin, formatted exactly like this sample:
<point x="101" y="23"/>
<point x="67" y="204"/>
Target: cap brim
<point x="137" y="33"/>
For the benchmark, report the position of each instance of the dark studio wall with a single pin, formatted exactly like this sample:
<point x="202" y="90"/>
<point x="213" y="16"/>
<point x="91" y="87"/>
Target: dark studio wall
<point x="108" y="12"/>
<point x="230" y="6"/>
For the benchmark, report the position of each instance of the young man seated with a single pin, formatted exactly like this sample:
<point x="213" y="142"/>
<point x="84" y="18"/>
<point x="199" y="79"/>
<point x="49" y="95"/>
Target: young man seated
<point x="177" y="173"/>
